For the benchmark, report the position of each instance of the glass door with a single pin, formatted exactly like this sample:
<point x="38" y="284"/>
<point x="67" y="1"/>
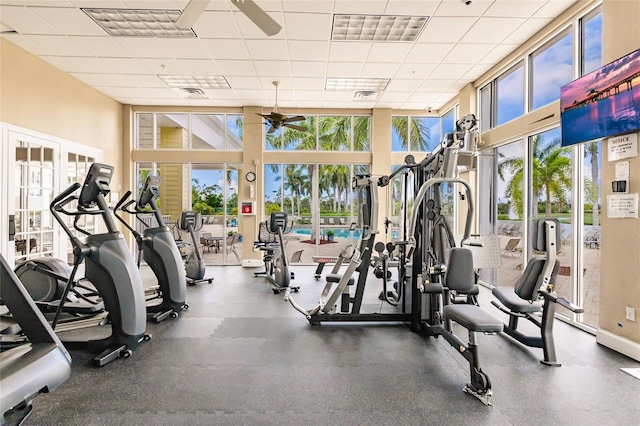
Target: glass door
<point x="34" y="181"/>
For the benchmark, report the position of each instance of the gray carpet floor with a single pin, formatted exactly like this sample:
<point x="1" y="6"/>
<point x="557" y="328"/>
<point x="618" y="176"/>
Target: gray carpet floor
<point x="241" y="356"/>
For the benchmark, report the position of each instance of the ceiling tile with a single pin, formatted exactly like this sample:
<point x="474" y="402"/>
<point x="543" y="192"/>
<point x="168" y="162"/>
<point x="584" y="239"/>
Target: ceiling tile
<point x="412" y="7"/>
<point x="24" y="21"/>
<point x="130" y="66"/>
<point x="459" y="8"/>
<point x="59" y="62"/>
<point x="241" y="83"/>
<point x="424" y="97"/>
<point x="104" y="80"/>
<point x="59" y="45"/>
<point x="449" y="71"/>
<point x="467" y="53"/>
<point x="309" y="95"/>
<point x="143" y="47"/>
<point x="551" y="9"/>
<point x="106" y="45"/>
<point x="393" y="97"/>
<point x="138" y="80"/>
<point x="379" y="70"/>
<point x="429" y="53"/>
<point x="216" y="25"/>
<point x="268" y="49"/>
<point x="344" y="69"/>
<point x="308" y="6"/>
<point x="414" y="71"/>
<point x="433" y="85"/>
<point x="70" y="21"/>
<point x="526" y="30"/>
<point x="243" y="68"/>
<point x="184" y="48"/>
<point x="370" y="7"/>
<point x="308" y="26"/>
<point x="514" y="8"/>
<point x="491" y="30"/>
<point x="200" y="67"/>
<point x="90" y="65"/>
<point x="226" y="48"/>
<point x="284" y="84"/>
<point x="308" y="83"/>
<point x="307" y="68"/>
<point x="308" y="50"/>
<point x="398" y="85"/>
<point x="349" y="51"/>
<point x="249" y="30"/>
<point x="443" y="29"/>
<point x="273" y="68"/>
<point x="498" y="53"/>
<point x="162" y="66"/>
<point x="389" y="52"/>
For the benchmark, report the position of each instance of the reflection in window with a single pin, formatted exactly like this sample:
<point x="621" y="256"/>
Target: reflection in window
<point x="415" y="133"/>
<point x="551" y="68"/>
<point x="510" y="95"/>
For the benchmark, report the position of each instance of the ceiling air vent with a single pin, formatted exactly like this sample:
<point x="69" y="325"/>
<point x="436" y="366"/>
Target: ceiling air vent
<point x="365" y="95"/>
<point x="192" y="93"/>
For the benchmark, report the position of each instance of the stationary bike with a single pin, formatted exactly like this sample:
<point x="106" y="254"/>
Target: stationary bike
<point x="157" y="247"/>
<point x="276" y="267"/>
<point x="194" y="264"/>
<point x="108" y="264"/>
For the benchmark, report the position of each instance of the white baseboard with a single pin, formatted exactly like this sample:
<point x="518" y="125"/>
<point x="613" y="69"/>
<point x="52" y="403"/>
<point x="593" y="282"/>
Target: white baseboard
<point x="619" y="344"/>
<point x="252" y="263"/>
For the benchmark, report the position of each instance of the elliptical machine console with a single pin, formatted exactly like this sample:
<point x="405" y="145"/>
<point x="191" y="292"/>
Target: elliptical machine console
<point x="157" y="247"/>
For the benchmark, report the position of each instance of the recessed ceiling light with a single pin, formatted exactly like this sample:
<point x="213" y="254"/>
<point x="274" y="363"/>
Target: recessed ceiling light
<point x="202" y="81"/>
<point x="373" y="84"/>
<point x="377" y="27"/>
<point x="139" y="22"/>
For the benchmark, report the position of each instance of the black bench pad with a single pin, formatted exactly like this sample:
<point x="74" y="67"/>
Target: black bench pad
<point x="335" y="278"/>
<point x="513" y="302"/>
<point x="473" y="318"/>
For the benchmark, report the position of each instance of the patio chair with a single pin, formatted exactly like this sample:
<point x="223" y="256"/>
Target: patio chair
<point x="343" y="221"/>
<point x="512" y="247"/>
<point x="230" y="245"/>
<point x="591" y="238"/>
<point x="296" y="257"/>
<point x="207" y="241"/>
<point x="332" y="221"/>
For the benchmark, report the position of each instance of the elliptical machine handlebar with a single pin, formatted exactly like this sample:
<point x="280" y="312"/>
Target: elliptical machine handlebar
<point x="120" y="206"/>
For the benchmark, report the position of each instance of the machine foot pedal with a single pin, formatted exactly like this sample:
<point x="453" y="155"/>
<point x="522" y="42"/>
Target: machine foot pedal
<point x="484" y="397"/>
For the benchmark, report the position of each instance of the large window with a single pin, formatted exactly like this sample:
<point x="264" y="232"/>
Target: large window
<point x="189" y="131"/>
<point x="415" y="133"/>
<point x="591" y="42"/>
<point x="510" y="95"/>
<point x="551" y="67"/>
<point x="320" y="204"/>
<point x="323" y="133"/>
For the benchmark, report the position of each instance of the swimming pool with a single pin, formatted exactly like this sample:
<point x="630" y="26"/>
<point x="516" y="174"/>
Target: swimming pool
<point x="338" y="232"/>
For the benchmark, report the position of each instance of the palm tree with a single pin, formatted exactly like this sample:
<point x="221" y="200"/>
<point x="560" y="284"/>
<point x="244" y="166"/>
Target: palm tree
<point x="591" y="149"/>
<point x="551" y="174"/>
<point x="413" y="133"/>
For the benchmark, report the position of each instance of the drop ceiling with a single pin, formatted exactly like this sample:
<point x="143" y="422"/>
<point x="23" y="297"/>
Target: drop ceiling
<point x="458" y="44"/>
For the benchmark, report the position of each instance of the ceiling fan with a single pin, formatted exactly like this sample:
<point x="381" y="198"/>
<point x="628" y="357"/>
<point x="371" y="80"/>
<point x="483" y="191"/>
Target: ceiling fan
<point x="194" y="9"/>
<point x="276" y="119"/>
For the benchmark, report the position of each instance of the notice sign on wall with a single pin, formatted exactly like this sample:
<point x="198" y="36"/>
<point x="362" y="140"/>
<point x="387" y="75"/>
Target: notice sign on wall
<point x="622" y="205"/>
<point x="625" y="146"/>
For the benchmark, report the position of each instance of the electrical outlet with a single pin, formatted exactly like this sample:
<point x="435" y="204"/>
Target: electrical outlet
<point x="630" y="313"/>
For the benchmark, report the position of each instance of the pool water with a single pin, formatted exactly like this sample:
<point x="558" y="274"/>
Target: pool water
<point x="338" y="232"/>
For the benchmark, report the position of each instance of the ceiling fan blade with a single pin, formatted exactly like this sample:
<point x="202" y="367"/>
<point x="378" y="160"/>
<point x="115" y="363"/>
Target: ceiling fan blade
<point x="191" y="13"/>
<point x="271" y="129"/>
<point x="295" y="127"/>
<point x="295" y="118"/>
<point x="258" y="16"/>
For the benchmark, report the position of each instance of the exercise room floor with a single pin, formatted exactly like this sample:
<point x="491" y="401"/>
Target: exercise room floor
<point x="241" y="356"/>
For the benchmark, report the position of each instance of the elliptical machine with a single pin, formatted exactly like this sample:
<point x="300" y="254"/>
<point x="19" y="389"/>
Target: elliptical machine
<point x="157" y="247"/>
<point x="276" y="267"/>
<point x="109" y="267"/>
<point x="194" y="264"/>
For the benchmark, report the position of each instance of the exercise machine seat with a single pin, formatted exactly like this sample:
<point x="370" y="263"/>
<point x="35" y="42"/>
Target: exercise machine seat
<point x="515" y="303"/>
<point x="29" y="369"/>
<point x="335" y="278"/>
<point x="473" y="318"/>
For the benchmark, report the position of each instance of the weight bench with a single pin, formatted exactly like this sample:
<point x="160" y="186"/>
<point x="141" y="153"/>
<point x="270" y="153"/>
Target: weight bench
<point x="31" y="368"/>
<point x="461" y="278"/>
<point x="533" y="293"/>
